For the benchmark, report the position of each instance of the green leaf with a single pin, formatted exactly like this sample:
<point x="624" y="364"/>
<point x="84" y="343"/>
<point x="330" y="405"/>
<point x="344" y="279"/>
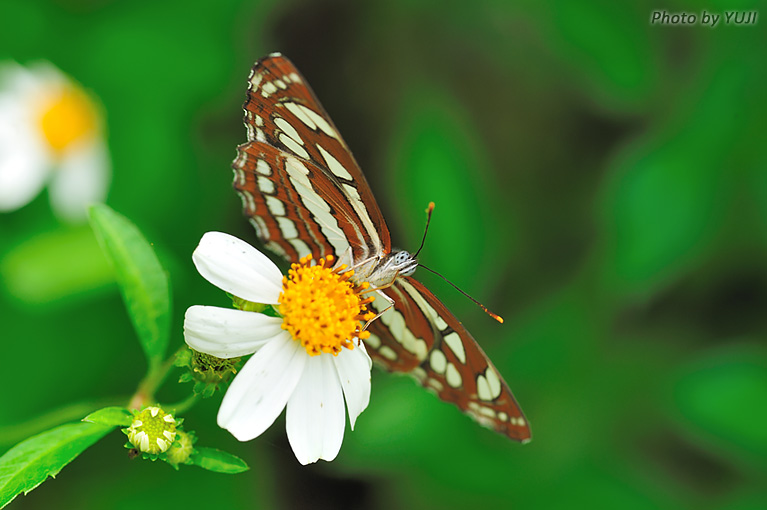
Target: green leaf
<point x="671" y="189"/>
<point x="55" y="265"/>
<point x="435" y="139"/>
<point x="112" y="416"/>
<point x="143" y="282"/>
<point x="723" y="395"/>
<point x="29" y="463"/>
<point x="609" y="51"/>
<point x="218" y="461"/>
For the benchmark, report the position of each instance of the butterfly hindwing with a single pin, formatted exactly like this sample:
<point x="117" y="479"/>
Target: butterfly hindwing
<point x="292" y="142"/>
<point x="420" y="336"/>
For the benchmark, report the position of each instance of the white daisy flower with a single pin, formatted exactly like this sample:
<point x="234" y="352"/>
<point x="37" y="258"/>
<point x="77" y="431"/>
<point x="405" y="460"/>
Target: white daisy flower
<point x="50" y="133"/>
<point x="308" y="359"/>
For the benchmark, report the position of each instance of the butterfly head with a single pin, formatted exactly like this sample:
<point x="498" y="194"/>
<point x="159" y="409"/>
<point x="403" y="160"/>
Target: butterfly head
<point x="401" y="262"/>
<point x="381" y="272"/>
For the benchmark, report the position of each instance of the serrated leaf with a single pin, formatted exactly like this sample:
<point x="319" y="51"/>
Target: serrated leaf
<point x="112" y="416"/>
<point x="218" y="461"/>
<point x="143" y="282"/>
<point x="31" y="462"/>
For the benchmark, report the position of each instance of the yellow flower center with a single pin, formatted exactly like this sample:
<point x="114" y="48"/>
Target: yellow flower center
<point x="321" y="308"/>
<point x="68" y="117"/>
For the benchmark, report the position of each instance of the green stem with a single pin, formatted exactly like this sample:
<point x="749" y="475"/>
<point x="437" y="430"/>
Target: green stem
<point x="12" y="434"/>
<point x="151" y="383"/>
<point x="182" y="406"/>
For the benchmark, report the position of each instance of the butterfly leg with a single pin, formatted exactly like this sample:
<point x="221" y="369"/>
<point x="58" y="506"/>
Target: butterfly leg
<point x="344" y="260"/>
<point x="387" y="298"/>
<point x="391" y="303"/>
<point x="363" y="269"/>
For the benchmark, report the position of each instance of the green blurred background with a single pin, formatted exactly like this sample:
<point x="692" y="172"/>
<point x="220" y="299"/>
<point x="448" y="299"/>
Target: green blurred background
<point x="600" y="182"/>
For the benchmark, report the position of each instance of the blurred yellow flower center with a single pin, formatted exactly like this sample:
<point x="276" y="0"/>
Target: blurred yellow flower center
<point x="321" y="308"/>
<point x="67" y="117"/>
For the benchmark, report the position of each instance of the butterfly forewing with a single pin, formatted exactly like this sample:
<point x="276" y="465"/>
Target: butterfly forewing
<point x="282" y="204"/>
<point x="420" y="336"/>
<point x="296" y="169"/>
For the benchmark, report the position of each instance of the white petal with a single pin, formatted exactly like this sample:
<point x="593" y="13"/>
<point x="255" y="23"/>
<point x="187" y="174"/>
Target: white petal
<point x="315" y="417"/>
<point x="353" y="368"/>
<point x="81" y="178"/>
<point x="31" y="83"/>
<point x="236" y="267"/>
<point x="36" y="79"/>
<point x="367" y="356"/>
<point x="260" y="391"/>
<point x="15" y="78"/>
<point x="24" y="161"/>
<point x="228" y="333"/>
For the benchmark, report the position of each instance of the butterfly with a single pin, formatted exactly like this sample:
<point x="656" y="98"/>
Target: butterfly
<point x="304" y="193"/>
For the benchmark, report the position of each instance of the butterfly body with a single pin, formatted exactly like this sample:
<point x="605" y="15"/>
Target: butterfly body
<point x="304" y="193"/>
<point x="383" y="270"/>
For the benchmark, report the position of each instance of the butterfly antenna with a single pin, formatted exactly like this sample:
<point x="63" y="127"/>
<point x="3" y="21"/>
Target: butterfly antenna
<point x="429" y="210"/>
<point x="483" y="307"/>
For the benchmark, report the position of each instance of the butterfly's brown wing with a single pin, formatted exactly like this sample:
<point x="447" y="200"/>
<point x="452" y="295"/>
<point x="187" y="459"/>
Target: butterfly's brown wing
<point x="304" y="193"/>
<point x="420" y="336"/>
<point x="298" y="181"/>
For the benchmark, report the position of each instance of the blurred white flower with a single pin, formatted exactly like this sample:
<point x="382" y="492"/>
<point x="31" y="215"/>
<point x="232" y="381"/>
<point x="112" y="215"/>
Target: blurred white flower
<point x="51" y="133"/>
<point x="307" y="359"/>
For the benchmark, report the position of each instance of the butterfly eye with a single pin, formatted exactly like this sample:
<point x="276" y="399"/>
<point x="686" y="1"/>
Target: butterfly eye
<point x="404" y="262"/>
<point x="401" y="257"/>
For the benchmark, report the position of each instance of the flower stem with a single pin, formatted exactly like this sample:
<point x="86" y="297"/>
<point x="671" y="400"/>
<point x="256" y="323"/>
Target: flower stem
<point x="12" y="434"/>
<point x="151" y="383"/>
<point x="182" y="406"/>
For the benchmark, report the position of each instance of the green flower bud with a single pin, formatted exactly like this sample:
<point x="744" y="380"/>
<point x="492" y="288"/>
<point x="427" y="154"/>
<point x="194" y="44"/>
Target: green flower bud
<point x="182" y="449"/>
<point x="152" y="431"/>
<point x="206" y="370"/>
